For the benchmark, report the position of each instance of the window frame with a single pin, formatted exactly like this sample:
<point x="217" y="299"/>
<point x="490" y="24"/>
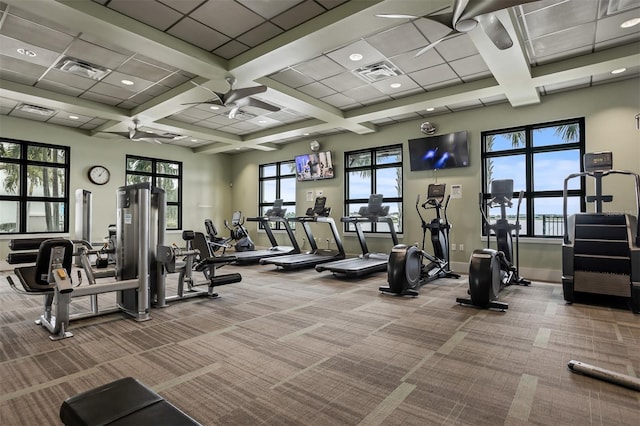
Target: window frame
<point x="154" y="175"/>
<point x="264" y="205"/>
<point x="529" y="151"/>
<point x="373" y="167"/>
<point x="22" y="198"/>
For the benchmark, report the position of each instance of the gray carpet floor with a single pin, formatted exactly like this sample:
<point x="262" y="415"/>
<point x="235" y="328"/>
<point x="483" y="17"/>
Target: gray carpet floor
<point x="307" y="348"/>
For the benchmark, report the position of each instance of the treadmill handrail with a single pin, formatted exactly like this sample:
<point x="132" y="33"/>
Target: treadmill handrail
<point x="267" y="228"/>
<point x="565" y="192"/>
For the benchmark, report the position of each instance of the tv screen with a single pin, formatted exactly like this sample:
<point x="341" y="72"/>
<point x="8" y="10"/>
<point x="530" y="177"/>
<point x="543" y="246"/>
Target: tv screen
<point x="439" y="152"/>
<point x="314" y="166"/>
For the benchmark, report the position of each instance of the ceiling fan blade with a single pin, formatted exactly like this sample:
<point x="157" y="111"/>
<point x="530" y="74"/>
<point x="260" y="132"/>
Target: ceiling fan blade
<point x="233" y="112"/>
<point x="235" y="94"/>
<point x="494" y="29"/>
<point x="475" y="8"/>
<point x="216" y="96"/>
<point x="209" y="102"/>
<point x="435" y="43"/>
<point x="260" y="104"/>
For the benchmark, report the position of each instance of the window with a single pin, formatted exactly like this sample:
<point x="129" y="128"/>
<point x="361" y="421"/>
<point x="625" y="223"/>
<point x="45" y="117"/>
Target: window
<point x="34" y="194"/>
<point x="278" y="180"/>
<point x="537" y="157"/>
<point x="374" y="171"/>
<point x="162" y="174"/>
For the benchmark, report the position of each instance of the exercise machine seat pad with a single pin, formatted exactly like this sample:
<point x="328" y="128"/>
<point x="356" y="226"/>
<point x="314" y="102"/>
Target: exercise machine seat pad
<point x="124" y="402"/>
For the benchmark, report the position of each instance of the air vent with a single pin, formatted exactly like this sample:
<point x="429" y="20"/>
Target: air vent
<point x="84" y="69"/>
<point x="613" y="7"/>
<point x="34" y="109"/>
<point x="243" y="115"/>
<point x="378" y="71"/>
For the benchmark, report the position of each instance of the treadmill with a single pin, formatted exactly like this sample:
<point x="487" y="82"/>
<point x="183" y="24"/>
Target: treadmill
<point x="367" y="263"/>
<point x="318" y="214"/>
<point x="275" y="214"/>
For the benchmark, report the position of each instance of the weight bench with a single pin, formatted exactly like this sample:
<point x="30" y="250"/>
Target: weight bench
<point x="124" y="402"/>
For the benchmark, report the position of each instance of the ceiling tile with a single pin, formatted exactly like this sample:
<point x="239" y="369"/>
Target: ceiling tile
<point x="432" y="30"/>
<point x="442" y="84"/>
<point x="231" y="49"/>
<point x="433" y="75"/>
<point x="8" y="103"/>
<point x="96" y="97"/>
<point x="298" y="14"/>
<point x="111" y="90"/>
<point x="564" y="41"/>
<point x="609" y="28"/>
<point x="34" y="33"/>
<point x="370" y="55"/>
<point x="259" y="34"/>
<point x="184" y="118"/>
<point x="59" y="88"/>
<point x="400" y="39"/>
<point x="198" y="113"/>
<point x="363" y="93"/>
<point x="183" y="6"/>
<point x="143" y="70"/>
<point x="409" y="62"/>
<point x="330" y="4"/>
<point x="565" y="85"/>
<point x="469" y="66"/>
<point x="269" y="8"/>
<point x="43" y="57"/>
<point x="319" y="68"/>
<point x="115" y="78"/>
<point x="317" y="90"/>
<point x="66" y="78"/>
<point x="405" y="82"/>
<point x="198" y="34"/>
<point x="465" y="105"/>
<point x="151" y="13"/>
<point x="39" y="20"/>
<point x="95" y="54"/>
<point x="128" y="104"/>
<point x="342" y="82"/>
<point x="490" y="100"/>
<point x="291" y="78"/>
<point x="22" y="67"/>
<point x="64" y="121"/>
<point x="227" y="16"/>
<point x="28" y="115"/>
<point x="174" y="80"/>
<point x="559" y="17"/>
<point x="338" y="100"/>
<point x="456" y="47"/>
<point x="93" y="39"/>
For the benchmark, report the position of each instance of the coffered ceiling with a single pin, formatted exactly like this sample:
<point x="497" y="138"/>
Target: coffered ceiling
<point x="330" y="66"/>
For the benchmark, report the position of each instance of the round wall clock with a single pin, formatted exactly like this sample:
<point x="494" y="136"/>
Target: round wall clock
<point x="99" y="175"/>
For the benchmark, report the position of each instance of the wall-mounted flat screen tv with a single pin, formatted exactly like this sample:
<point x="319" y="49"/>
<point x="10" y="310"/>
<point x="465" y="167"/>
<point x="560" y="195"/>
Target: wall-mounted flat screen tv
<point x="314" y="166"/>
<point x="439" y="152"/>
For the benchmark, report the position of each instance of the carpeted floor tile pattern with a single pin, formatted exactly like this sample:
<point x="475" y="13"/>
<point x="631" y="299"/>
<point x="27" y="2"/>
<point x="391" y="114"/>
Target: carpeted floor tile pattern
<point x="307" y="348"/>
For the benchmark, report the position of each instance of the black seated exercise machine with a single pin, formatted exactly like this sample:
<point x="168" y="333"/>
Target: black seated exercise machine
<point x="196" y="257"/>
<point x="407" y="270"/>
<point x="131" y="283"/>
<point x="601" y="250"/>
<point x="367" y="263"/>
<point x="238" y="233"/>
<point x="319" y="213"/>
<point x="491" y="270"/>
<point x="123" y="402"/>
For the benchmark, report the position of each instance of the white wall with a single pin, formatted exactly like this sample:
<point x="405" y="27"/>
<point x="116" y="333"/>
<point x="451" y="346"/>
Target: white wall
<point x="609" y="112"/>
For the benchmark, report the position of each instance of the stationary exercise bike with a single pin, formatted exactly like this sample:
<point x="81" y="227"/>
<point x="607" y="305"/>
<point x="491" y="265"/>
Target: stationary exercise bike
<point x="406" y="270"/>
<point x="239" y="233"/>
<point x="492" y="270"/>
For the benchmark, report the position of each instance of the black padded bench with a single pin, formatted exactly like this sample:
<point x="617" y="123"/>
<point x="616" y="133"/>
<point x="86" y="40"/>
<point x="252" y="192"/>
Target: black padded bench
<point x="125" y="402"/>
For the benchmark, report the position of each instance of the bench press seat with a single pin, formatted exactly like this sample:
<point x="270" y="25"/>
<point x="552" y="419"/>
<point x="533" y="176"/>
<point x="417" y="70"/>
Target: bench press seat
<point x="124" y="402"/>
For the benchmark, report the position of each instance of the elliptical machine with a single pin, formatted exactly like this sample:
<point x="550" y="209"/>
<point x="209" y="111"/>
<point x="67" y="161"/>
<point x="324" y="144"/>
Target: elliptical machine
<point x="492" y="270"/>
<point x="406" y="270"/>
<point x="239" y="233"/>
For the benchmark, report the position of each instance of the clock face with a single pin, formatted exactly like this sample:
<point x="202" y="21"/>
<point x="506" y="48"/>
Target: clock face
<point x="99" y="175"/>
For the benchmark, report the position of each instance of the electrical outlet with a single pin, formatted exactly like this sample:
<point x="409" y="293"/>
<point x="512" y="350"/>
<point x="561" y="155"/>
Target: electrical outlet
<point x="461" y="247"/>
<point x="453" y="247"/>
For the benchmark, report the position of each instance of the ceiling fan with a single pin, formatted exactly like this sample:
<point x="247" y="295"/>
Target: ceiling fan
<point x="236" y="98"/>
<point x="140" y="135"/>
<point x="466" y="15"/>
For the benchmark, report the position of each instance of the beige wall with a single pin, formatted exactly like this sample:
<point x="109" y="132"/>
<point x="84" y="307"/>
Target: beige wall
<point x="215" y="185"/>
<point x="609" y="112"/>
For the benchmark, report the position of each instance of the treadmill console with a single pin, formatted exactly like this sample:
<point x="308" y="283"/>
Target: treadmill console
<point x="598" y="161"/>
<point x="374" y="207"/>
<point x="276" y="210"/>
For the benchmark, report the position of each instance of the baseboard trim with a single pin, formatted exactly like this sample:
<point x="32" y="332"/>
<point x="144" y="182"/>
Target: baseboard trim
<point x="535" y="274"/>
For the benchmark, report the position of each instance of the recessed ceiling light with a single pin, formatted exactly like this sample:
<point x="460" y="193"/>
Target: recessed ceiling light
<point x="630" y="23"/>
<point x="305" y="134"/>
<point x="430" y="109"/>
<point x="395" y="85"/>
<point x="237" y="149"/>
<point x="262" y="121"/>
<point x="355" y="57"/>
<point x="214" y="107"/>
<point x="618" y="71"/>
<point x="194" y="140"/>
<point x="127" y="82"/>
<point x="73" y="117"/>
<point x="26" y="52"/>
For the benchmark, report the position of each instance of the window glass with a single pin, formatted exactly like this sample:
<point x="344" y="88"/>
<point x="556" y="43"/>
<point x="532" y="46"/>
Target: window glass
<point x="563" y="134"/>
<point x="170" y="187"/>
<point x="139" y="165"/>
<point x="47" y="154"/>
<point x="288" y="189"/>
<point x="505" y="141"/>
<point x="359" y="184"/>
<point x="9" y="216"/>
<point x="45" y="216"/>
<point x="389" y="182"/>
<point x="46" y="181"/>
<point x="495" y="213"/>
<point x="548" y="216"/>
<point x="10" y="150"/>
<point x="171" y="217"/>
<point x="508" y="167"/>
<point x="268" y="191"/>
<point x="268" y="170"/>
<point x="389" y="156"/>
<point x="288" y="168"/>
<point x="10" y="178"/>
<point x="277" y="181"/>
<point x="167" y="168"/>
<point x="550" y="169"/>
<point x="359" y="159"/>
